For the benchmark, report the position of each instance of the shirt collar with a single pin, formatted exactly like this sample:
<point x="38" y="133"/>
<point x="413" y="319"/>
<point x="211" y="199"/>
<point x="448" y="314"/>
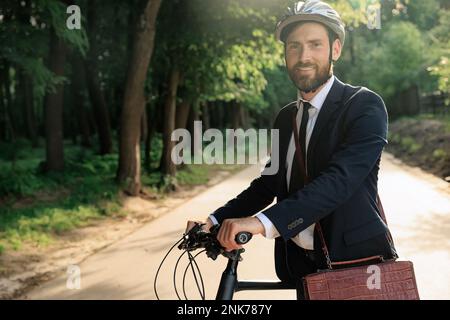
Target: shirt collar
<point x="320" y="97"/>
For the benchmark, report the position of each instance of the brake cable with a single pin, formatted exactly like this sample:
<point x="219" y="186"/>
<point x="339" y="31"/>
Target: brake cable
<point x="160" y="265"/>
<point x="196" y="239"/>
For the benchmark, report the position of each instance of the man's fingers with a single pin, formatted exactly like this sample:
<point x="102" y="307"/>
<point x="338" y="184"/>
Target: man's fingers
<point x="226" y="236"/>
<point x="190" y="225"/>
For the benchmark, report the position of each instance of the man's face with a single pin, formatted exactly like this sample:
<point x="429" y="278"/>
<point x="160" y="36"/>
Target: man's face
<point x="307" y="53"/>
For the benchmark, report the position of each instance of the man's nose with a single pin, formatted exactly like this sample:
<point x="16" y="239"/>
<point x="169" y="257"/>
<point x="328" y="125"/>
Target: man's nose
<point x="305" y="56"/>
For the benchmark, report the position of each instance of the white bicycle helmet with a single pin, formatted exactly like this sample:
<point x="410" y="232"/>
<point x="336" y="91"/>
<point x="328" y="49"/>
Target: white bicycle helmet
<point x="311" y="10"/>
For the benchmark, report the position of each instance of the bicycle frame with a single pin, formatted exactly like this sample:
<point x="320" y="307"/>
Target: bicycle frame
<point x="229" y="283"/>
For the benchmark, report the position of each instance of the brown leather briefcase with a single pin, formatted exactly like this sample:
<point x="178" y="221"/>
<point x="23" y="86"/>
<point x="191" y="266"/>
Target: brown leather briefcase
<point x="396" y="282"/>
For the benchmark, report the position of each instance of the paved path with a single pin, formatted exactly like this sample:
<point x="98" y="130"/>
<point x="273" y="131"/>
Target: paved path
<point x="417" y="205"/>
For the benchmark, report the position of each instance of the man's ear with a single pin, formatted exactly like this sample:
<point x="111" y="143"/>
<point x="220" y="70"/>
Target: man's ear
<point x="337" y="49"/>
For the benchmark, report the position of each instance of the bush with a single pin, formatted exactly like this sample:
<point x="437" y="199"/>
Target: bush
<point x="20" y="183"/>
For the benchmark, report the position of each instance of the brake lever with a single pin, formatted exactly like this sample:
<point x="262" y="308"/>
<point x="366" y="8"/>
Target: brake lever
<point x="190" y="239"/>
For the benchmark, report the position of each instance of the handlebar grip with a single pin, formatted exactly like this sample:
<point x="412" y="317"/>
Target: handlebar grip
<point x="243" y="237"/>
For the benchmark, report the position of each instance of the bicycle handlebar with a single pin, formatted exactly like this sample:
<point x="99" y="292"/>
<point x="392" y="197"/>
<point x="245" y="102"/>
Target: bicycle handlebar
<point x="197" y="238"/>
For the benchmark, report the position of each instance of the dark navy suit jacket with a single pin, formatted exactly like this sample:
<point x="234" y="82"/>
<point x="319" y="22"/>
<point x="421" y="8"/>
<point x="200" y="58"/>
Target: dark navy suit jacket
<point x="343" y="162"/>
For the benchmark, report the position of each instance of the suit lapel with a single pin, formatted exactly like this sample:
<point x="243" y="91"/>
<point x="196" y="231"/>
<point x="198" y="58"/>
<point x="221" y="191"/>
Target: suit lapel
<point x="330" y="105"/>
<point x="285" y="138"/>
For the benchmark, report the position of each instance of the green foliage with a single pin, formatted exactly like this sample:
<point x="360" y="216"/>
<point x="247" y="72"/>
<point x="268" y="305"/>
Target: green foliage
<point x="241" y="71"/>
<point x="25" y="38"/>
<point x="279" y="90"/>
<point x="37" y="206"/>
<point x="440" y="35"/>
<point x="439" y="154"/>
<point x="222" y="49"/>
<point x="193" y="175"/>
<point x="55" y="12"/>
<point x="442" y="71"/>
<point x="394" y="63"/>
<point x="21" y="183"/>
<point x="39" y="223"/>
<point x="353" y="12"/>
<point x="410" y="144"/>
<point x="422" y="13"/>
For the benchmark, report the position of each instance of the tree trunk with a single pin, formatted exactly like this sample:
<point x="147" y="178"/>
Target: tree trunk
<point x="167" y="166"/>
<point x="78" y="98"/>
<point x="245" y="120"/>
<point x="9" y="103"/>
<point x="406" y="102"/>
<point x="129" y="170"/>
<point x="194" y="116"/>
<point x="28" y="108"/>
<point x="95" y="92"/>
<point x="352" y="47"/>
<point x="100" y="112"/>
<point x="54" y="108"/>
<point x="154" y="116"/>
<point x="182" y="115"/>
<point x="219" y="114"/>
<point x="236" y="115"/>
<point x="3" y="113"/>
<point x="144" y="127"/>
<point x="6" y="100"/>
<point x="205" y="116"/>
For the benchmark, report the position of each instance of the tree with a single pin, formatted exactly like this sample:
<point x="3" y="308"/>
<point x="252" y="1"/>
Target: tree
<point x="167" y="165"/>
<point x="441" y="36"/>
<point x="129" y="170"/>
<point x="220" y="50"/>
<point x="54" y="108"/>
<point x="30" y="31"/>
<point x="92" y="76"/>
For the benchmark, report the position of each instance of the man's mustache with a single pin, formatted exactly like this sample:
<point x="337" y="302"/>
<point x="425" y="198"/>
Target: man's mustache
<point x="304" y="65"/>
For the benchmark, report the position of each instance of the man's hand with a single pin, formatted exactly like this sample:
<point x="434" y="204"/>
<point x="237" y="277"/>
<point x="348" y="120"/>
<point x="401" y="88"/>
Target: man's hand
<point x="208" y="224"/>
<point x="231" y="227"/>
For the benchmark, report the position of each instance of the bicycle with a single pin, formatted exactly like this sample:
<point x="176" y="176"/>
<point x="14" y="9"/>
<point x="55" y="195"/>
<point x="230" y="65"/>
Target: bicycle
<point x="196" y="239"/>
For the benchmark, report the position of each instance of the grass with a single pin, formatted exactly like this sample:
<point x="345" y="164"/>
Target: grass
<point x="193" y="175"/>
<point x="37" y="207"/>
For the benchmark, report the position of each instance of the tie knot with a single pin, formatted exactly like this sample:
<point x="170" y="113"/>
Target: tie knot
<point x="306" y="105"/>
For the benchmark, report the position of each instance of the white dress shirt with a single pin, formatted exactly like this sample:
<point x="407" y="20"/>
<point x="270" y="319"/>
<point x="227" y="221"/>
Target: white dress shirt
<point x="304" y="239"/>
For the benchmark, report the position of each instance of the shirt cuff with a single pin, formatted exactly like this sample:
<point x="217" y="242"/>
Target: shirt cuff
<point x="270" y="231"/>
<point x="213" y="219"/>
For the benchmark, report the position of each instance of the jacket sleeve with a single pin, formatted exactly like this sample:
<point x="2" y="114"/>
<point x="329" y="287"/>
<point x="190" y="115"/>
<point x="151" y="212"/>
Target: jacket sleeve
<point x="363" y="143"/>
<point x="256" y="197"/>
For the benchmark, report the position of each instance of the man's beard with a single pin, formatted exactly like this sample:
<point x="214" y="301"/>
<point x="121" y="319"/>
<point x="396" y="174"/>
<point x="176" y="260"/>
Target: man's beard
<point x="310" y="83"/>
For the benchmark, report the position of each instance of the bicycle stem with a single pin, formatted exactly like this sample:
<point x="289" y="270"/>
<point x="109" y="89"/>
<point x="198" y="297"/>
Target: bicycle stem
<point x="228" y="280"/>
